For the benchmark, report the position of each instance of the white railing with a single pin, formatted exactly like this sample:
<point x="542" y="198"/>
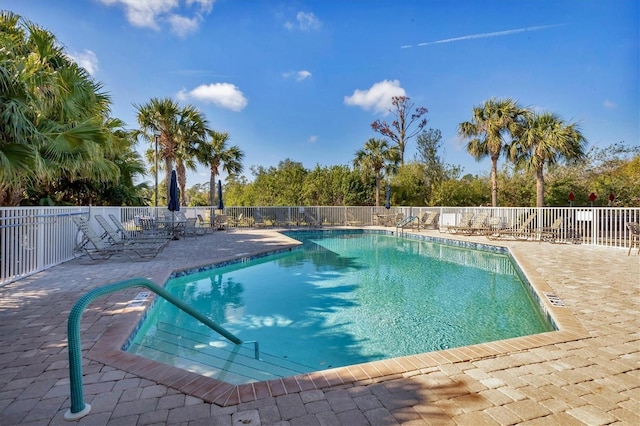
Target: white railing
<point x="33" y="239"/>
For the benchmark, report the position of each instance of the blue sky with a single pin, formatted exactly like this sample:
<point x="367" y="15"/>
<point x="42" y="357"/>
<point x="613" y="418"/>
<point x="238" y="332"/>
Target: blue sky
<point x="305" y="79"/>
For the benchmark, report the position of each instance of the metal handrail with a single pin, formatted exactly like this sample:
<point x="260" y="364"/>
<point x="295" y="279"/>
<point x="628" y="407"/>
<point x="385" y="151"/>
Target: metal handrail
<point x="79" y="408"/>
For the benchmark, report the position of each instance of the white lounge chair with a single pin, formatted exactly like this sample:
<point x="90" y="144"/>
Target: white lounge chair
<point x="120" y="234"/>
<point x="518" y="232"/>
<point x="98" y="249"/>
<point x="429" y="220"/>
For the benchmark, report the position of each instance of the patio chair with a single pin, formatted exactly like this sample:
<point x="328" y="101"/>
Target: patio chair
<point x="258" y="219"/>
<point x="634" y="236"/>
<point x="221" y="222"/>
<point x="124" y="232"/>
<point x="465" y="220"/>
<point x="557" y="233"/>
<point x="115" y="238"/>
<point x="552" y="233"/>
<point x="477" y="224"/>
<point x="350" y="219"/>
<point x="204" y="225"/>
<point x="406" y="222"/>
<point x="518" y="232"/>
<point x="237" y="221"/>
<point x="281" y="219"/>
<point x="149" y="235"/>
<point x="146" y="225"/>
<point x="310" y="220"/>
<point x="429" y="220"/>
<point x="97" y="249"/>
<point x="191" y="229"/>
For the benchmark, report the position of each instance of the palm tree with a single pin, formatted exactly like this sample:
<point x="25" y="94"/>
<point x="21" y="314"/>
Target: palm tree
<point x="17" y="113"/>
<point x="215" y="153"/>
<point x="82" y="190"/>
<point x="52" y="114"/>
<point x="159" y="117"/>
<point x="192" y="131"/>
<point x="179" y="131"/>
<point x="489" y="125"/>
<point x="378" y="157"/>
<point x="546" y="139"/>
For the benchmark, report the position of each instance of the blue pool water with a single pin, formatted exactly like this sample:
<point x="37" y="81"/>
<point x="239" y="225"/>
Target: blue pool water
<point x="341" y="299"/>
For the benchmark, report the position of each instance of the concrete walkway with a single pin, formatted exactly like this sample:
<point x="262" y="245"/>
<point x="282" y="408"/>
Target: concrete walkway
<point x="587" y="374"/>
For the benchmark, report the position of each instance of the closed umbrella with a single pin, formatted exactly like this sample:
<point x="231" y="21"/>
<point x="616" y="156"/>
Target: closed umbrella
<point x="220" y="202"/>
<point x="174" y="200"/>
<point x="387" y="202"/>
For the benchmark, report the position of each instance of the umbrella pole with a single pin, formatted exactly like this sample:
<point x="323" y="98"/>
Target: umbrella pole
<point x="173" y="226"/>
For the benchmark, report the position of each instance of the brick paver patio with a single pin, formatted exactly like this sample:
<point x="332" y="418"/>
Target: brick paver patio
<point x="587" y="373"/>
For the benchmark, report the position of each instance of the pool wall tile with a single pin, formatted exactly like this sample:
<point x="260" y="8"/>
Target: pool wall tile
<point x="222" y="389"/>
<point x="291" y="385"/>
<point x="277" y="387"/>
<point x="331" y="377"/>
<point x="319" y="379"/>
<point x="305" y="382"/>
<point x="246" y="393"/>
<point x="261" y="390"/>
<point x="234" y="261"/>
<point x="232" y="399"/>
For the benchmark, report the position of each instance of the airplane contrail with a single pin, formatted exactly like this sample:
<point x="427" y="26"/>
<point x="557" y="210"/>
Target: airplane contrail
<point x="483" y="35"/>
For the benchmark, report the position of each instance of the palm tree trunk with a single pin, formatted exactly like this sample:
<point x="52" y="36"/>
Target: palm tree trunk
<point x="377" y="188"/>
<point x="10" y="196"/>
<point x="168" y="166"/>
<point x="182" y="181"/>
<point x="540" y="187"/>
<point x="212" y="188"/>
<point x="494" y="181"/>
<point x="212" y="191"/>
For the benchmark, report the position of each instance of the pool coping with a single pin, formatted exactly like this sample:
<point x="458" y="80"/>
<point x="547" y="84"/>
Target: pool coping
<point x="108" y="348"/>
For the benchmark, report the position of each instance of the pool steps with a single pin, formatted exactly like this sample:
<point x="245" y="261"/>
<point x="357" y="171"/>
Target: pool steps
<point x="234" y="364"/>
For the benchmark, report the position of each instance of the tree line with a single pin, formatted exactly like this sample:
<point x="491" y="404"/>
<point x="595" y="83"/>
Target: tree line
<point x="428" y="181"/>
<point x="59" y="145"/>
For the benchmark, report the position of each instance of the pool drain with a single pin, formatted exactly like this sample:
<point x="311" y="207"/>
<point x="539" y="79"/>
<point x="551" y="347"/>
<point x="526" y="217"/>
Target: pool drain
<point x="554" y="300"/>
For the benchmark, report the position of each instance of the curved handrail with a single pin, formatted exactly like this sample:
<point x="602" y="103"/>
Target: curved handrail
<point x="79" y="408"/>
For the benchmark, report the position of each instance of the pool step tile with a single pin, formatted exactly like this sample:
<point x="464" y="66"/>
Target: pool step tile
<point x="237" y="366"/>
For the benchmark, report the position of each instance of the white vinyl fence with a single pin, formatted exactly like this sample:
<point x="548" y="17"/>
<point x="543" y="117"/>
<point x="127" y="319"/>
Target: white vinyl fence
<point x="33" y="239"/>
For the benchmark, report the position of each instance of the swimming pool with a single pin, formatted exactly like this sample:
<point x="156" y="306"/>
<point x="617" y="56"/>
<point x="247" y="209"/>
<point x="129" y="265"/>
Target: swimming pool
<point x="340" y="299"/>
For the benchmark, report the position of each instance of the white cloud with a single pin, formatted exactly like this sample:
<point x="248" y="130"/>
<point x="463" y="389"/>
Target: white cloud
<point x="87" y="60"/>
<point x="151" y="13"/>
<point x="305" y="22"/>
<point x="205" y="5"/>
<point x="609" y="104"/>
<point x="182" y="25"/>
<point x="298" y="75"/>
<point x="313" y="139"/>
<point x="377" y="97"/>
<point x="224" y="95"/>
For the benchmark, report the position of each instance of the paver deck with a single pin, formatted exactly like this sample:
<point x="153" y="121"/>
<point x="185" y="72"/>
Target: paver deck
<point x="586" y="373"/>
